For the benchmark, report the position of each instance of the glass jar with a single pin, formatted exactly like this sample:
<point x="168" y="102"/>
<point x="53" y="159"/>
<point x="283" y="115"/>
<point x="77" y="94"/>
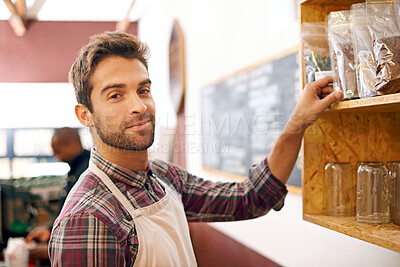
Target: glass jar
<point x="338" y="189"/>
<point x="373" y="193"/>
<point x="394" y="174"/>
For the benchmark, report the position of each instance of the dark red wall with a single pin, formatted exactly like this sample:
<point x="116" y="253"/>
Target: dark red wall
<point x="47" y="50"/>
<point x="213" y="248"/>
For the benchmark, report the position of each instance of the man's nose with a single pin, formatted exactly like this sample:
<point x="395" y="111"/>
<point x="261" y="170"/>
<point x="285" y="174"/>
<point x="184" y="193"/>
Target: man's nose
<point x="137" y="105"/>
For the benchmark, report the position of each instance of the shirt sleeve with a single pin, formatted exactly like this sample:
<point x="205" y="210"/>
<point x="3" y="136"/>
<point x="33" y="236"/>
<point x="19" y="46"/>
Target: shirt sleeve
<point x="207" y="201"/>
<point x="83" y="240"/>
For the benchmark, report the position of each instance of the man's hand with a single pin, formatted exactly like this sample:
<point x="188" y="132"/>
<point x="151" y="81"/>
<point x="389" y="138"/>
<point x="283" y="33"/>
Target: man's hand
<point x="314" y="99"/>
<point x="39" y="234"/>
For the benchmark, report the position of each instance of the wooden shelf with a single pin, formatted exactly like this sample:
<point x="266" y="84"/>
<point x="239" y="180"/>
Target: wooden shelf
<point x="350" y="131"/>
<point x="385" y="103"/>
<point x="384" y="235"/>
<point x="329" y="2"/>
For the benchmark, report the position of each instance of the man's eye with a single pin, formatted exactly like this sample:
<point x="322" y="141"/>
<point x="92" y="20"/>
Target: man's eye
<point x="115" y="96"/>
<point x="144" y="91"/>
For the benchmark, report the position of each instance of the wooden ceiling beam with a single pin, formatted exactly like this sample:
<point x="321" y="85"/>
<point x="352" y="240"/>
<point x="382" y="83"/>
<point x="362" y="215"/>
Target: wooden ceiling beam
<point x="123" y="25"/>
<point x="20" y="6"/>
<point x="17" y="20"/>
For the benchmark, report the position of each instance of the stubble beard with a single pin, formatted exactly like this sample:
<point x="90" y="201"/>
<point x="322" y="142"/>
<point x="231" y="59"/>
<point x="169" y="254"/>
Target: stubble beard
<point x="118" y="137"/>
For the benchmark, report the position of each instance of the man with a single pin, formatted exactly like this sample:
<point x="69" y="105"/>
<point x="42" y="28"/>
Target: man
<point x="67" y="147"/>
<point x="130" y="210"/>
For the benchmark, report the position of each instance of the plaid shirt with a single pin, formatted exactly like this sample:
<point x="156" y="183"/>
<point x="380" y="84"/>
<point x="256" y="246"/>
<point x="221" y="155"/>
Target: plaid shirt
<point x="94" y="229"/>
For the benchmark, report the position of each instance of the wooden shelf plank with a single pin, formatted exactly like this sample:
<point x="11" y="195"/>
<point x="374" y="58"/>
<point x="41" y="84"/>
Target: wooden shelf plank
<point x="384" y="235"/>
<point x="330" y="2"/>
<point x="384" y="103"/>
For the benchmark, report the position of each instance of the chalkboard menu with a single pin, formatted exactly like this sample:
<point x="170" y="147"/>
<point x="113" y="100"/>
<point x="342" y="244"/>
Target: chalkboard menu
<point x="244" y="114"/>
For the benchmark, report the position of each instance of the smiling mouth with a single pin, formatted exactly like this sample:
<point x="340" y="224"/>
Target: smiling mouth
<point x="141" y="125"/>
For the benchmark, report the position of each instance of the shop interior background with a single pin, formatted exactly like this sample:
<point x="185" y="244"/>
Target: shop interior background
<point x="221" y="37"/>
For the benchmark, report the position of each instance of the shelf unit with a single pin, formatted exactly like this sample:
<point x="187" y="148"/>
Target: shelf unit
<point x="350" y="131"/>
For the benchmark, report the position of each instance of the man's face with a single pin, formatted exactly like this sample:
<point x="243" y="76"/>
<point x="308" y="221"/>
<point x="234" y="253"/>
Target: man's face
<point x="123" y="108"/>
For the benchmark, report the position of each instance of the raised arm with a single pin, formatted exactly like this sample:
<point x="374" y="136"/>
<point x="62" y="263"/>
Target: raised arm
<point x="314" y="99"/>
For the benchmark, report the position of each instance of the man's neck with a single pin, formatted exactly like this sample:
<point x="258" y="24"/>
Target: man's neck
<point x="133" y="160"/>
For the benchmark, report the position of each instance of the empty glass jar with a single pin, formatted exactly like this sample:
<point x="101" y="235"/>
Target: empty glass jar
<point x="338" y="189"/>
<point x="394" y="172"/>
<point x="372" y="193"/>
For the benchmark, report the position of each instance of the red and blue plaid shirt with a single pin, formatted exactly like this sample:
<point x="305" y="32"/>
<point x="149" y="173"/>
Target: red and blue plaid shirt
<point x="94" y="229"/>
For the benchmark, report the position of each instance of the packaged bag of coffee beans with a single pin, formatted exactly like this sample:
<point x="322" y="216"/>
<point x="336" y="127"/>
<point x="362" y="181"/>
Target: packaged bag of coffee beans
<point x="341" y="53"/>
<point x="385" y="33"/>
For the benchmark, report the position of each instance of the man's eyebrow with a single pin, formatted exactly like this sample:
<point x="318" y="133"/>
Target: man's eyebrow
<point x="121" y="85"/>
<point x="145" y="82"/>
<point x="114" y="85"/>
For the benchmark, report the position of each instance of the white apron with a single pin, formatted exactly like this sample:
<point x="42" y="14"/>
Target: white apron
<point x="162" y="228"/>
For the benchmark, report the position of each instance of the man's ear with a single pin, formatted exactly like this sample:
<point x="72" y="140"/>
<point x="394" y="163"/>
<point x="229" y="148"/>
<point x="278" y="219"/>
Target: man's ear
<point x="84" y="115"/>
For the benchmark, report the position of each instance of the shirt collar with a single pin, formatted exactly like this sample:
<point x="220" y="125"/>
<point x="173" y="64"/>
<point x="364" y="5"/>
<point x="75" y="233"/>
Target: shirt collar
<point x="116" y="172"/>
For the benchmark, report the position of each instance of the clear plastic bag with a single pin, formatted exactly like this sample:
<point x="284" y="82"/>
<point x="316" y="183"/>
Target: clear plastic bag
<point x="316" y="60"/>
<point x="364" y="59"/>
<point x="384" y="29"/>
<point x="341" y="53"/>
<point x="397" y="10"/>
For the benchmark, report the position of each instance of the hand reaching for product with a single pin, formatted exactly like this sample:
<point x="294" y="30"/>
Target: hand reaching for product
<point x="314" y="99"/>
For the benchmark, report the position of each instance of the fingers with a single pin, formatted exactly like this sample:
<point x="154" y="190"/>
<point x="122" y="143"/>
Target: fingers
<point x="330" y="99"/>
<point x="315" y="98"/>
<point x="30" y="237"/>
<point x="41" y="234"/>
<point x="322" y="87"/>
<point x="321" y="83"/>
<point x="327" y="90"/>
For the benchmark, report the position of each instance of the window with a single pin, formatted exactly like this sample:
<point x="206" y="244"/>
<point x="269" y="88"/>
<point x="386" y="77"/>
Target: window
<point x="33" y="142"/>
<point x="20" y="165"/>
<point x="3" y="143"/>
<point x="5" y="171"/>
<point x="25" y="152"/>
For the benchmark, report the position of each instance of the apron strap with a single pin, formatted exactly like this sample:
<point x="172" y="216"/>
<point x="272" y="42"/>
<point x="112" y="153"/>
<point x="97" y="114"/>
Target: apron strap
<point x="109" y="183"/>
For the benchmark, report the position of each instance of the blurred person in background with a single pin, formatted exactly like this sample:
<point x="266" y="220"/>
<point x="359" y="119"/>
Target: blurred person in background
<point x="67" y="147"/>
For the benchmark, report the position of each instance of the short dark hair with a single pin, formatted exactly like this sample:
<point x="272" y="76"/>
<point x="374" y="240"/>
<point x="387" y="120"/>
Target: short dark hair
<point x="65" y="135"/>
<point x="100" y="47"/>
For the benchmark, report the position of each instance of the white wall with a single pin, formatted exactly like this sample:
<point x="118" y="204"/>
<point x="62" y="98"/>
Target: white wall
<point x="37" y="105"/>
<point x="222" y="37"/>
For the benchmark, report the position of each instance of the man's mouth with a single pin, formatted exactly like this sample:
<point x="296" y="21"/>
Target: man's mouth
<point x="140" y="125"/>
